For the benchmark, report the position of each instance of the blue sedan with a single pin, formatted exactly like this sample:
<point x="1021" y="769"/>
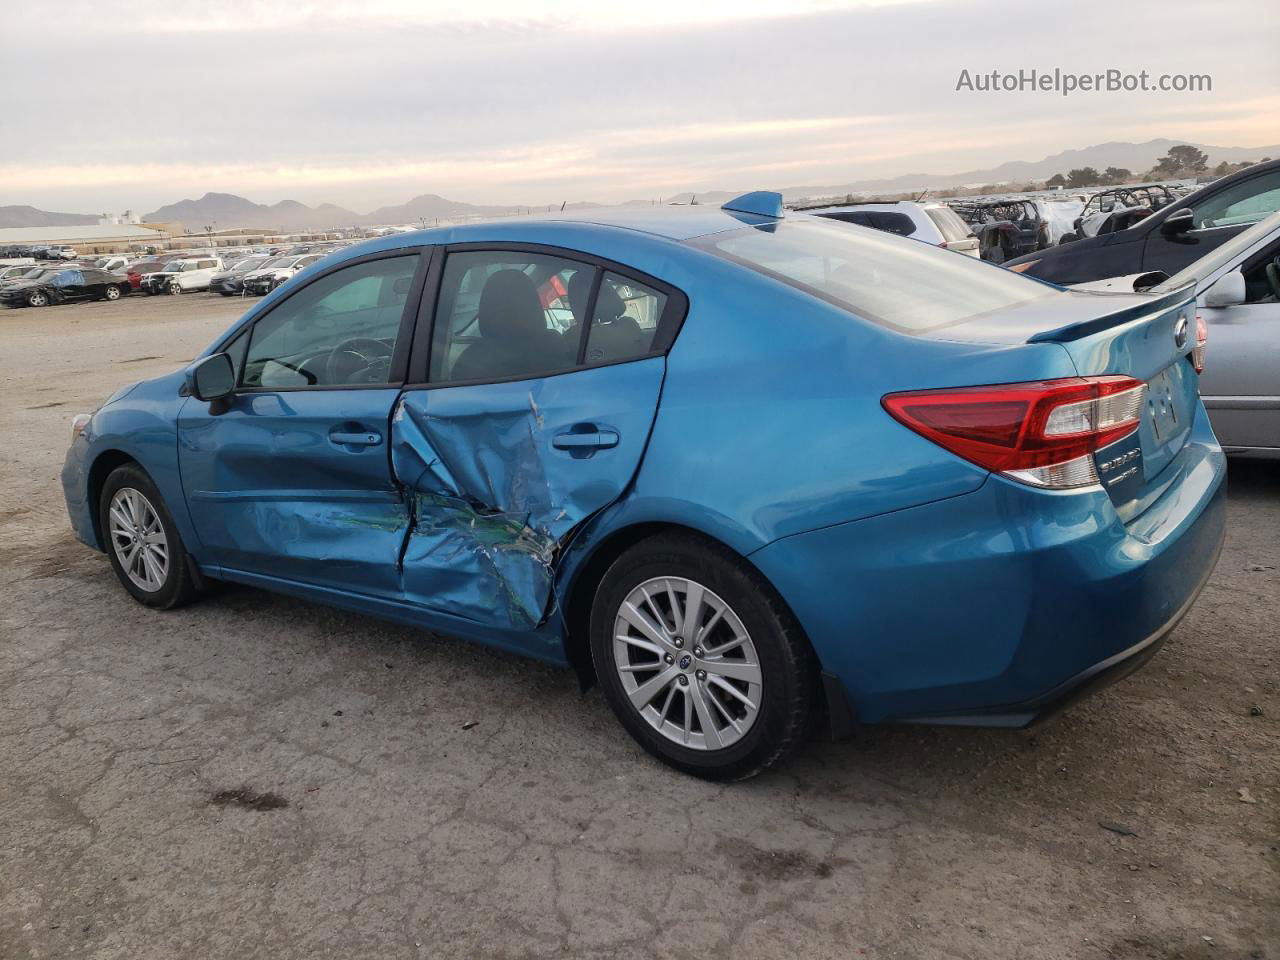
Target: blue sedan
<point x="744" y="469"/>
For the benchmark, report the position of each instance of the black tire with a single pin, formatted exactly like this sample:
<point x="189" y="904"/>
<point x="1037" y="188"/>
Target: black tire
<point x="174" y="289"/>
<point x="787" y="664"/>
<point x="179" y="586"/>
<point x="38" y="298"/>
<point x="224" y="293"/>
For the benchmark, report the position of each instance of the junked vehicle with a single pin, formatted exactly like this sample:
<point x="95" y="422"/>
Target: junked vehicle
<point x="182" y="276"/>
<point x="135" y="271"/>
<point x="1118" y="209"/>
<point x="276" y="271"/>
<point x="730" y="530"/>
<point x="1237" y="288"/>
<point x="933" y="223"/>
<point x="230" y="281"/>
<point x="1169" y="239"/>
<point x="42" y="287"/>
<point x="1005" y="227"/>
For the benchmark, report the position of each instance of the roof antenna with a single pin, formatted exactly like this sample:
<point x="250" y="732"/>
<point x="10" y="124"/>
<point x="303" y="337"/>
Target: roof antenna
<point x="923" y="195"/>
<point x="562" y="205"/>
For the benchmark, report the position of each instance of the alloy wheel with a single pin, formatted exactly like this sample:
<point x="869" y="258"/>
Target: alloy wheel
<point x="37" y="299"/>
<point x="687" y="664"/>
<point x="113" y="293"/>
<point x="138" y="538"/>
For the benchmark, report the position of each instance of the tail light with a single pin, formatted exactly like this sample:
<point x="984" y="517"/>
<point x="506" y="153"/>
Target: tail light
<point x="1042" y="433"/>
<point x="1202" y="337"/>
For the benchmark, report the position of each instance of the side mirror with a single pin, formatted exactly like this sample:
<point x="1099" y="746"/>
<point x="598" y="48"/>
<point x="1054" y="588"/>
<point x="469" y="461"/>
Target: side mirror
<point x="1227" y="291"/>
<point x="213" y="378"/>
<point x="1178" y="223"/>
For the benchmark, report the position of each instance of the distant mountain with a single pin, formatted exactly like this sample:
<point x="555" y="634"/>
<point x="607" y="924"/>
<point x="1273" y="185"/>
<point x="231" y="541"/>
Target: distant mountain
<point x="226" y="210"/>
<point x="428" y="207"/>
<point x="22" y="216"/>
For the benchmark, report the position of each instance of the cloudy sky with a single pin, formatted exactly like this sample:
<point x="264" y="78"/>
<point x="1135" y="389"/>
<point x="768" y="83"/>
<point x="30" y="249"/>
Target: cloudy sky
<point x="496" y="101"/>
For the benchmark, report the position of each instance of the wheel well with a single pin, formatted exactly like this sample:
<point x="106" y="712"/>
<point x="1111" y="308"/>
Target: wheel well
<point x="577" y="619"/>
<point x="107" y="461"/>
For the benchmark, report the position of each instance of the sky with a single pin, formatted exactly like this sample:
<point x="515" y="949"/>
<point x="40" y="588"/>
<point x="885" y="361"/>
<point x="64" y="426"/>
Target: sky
<point x="494" y="101"/>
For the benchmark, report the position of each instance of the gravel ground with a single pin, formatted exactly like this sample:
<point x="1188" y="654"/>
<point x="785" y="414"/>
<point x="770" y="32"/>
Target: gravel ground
<point x="259" y="777"/>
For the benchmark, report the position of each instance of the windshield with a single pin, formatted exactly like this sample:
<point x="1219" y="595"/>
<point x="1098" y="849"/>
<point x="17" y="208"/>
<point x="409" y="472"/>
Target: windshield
<point x="174" y="266"/>
<point x="279" y="262"/>
<point x="250" y="263"/>
<point x="894" y="281"/>
<point x="1235" y="247"/>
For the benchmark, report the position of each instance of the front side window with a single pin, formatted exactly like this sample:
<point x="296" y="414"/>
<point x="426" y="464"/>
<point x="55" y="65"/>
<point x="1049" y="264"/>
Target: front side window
<point x="504" y="314"/>
<point x="340" y="330"/>
<point x="1246" y="202"/>
<point x="912" y="287"/>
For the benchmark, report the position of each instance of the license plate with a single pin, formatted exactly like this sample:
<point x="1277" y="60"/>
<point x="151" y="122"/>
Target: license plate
<point x="1160" y="401"/>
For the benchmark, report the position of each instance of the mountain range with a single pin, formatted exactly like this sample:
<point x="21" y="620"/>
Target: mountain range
<point x="226" y="210"/>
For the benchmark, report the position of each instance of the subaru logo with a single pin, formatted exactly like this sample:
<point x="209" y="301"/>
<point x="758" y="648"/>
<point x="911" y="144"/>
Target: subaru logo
<point x="685" y="661"/>
<point x="1180" y="333"/>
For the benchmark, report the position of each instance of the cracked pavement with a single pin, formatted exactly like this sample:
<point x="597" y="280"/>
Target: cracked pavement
<point x="442" y="800"/>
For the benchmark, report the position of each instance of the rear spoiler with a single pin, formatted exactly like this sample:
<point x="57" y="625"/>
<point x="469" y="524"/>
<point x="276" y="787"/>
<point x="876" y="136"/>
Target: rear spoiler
<point x="1155" y="304"/>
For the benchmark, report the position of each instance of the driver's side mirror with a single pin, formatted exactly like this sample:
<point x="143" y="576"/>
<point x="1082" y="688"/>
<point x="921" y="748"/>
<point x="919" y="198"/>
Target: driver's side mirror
<point x="1227" y="291"/>
<point x="1178" y="223"/>
<point x="213" y="378"/>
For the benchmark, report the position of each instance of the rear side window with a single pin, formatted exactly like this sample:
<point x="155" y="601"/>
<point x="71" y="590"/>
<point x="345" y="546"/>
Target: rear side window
<point x="625" y="320"/>
<point x="860" y="217"/>
<point x="911" y="287"/>
<point x="948" y="223"/>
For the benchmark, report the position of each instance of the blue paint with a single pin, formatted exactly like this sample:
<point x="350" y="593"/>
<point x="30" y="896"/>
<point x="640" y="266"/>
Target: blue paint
<point x="925" y="585"/>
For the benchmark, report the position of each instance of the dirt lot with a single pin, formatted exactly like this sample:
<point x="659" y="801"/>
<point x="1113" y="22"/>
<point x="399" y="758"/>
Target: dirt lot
<point x="259" y="777"/>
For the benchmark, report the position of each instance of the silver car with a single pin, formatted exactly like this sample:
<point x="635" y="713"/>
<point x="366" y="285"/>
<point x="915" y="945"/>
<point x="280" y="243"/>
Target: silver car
<point x="1238" y="296"/>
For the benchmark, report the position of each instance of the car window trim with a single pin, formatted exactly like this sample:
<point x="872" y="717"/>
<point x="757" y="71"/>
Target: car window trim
<point x="404" y="344"/>
<point x="669" y="325"/>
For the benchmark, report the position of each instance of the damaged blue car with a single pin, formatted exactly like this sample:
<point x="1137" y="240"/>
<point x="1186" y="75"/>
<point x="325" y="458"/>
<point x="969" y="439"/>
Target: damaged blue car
<point x="749" y="471"/>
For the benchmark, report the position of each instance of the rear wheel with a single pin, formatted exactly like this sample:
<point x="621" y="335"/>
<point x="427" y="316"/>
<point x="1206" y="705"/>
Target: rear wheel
<point x="142" y="542"/>
<point x="699" y="658"/>
<point x="112" y="293"/>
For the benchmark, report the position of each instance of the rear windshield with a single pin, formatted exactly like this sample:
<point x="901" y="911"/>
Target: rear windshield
<point x="904" y="284"/>
<point x="948" y="223"/>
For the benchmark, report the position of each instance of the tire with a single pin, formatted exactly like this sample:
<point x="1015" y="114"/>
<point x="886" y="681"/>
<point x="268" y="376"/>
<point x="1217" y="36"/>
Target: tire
<point x="111" y="293"/>
<point x="139" y="504"/>
<point x="224" y="293"/>
<point x="737" y="601"/>
<point x="174" y="288"/>
<point x="37" y="298"/>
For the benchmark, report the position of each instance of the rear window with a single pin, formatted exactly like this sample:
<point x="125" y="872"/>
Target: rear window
<point x="948" y="223"/>
<point x="909" y="286"/>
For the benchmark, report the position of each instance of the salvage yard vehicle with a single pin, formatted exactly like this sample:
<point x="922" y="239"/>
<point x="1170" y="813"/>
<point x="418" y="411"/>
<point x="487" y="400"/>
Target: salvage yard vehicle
<point x="1169" y="239"/>
<point x="277" y="271"/>
<point x="933" y="223"/>
<point x="731" y="531"/>
<point x="1119" y="209"/>
<point x="1005" y="227"/>
<point x="230" y="281"/>
<point x="62" y="285"/>
<point x="182" y="276"/>
<point x="1238" y="307"/>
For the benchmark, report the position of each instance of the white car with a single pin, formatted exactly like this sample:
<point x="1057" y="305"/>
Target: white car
<point x="111" y="264"/>
<point x="277" y="271"/>
<point x="182" y="276"/>
<point x="934" y="223"/>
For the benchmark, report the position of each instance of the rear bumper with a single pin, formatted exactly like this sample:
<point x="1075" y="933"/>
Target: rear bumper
<point x="996" y="606"/>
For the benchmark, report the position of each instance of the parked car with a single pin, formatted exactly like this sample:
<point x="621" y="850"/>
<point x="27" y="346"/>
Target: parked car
<point x="276" y="271"/>
<point x="1237" y="289"/>
<point x="62" y="286"/>
<point x="137" y="270"/>
<point x="61" y="252"/>
<point x="114" y="264"/>
<point x="231" y="280"/>
<point x="732" y="531"/>
<point x="9" y="274"/>
<point x="1006" y="228"/>
<point x="1169" y="239"/>
<point x="182" y="276"/>
<point x="933" y="223"/>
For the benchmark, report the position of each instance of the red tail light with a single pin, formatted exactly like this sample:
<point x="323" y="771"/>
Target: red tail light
<point x="1202" y="337"/>
<point x="1043" y="433"/>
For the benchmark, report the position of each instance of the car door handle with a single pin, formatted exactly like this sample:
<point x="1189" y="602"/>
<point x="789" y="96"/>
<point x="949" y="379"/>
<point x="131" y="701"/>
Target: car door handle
<point x="594" y="440"/>
<point x="366" y="438"/>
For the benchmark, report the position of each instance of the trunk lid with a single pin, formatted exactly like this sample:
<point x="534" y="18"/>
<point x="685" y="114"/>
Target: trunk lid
<point x="1148" y="337"/>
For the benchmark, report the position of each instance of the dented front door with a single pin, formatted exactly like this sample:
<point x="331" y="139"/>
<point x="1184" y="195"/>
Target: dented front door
<point x="498" y="475"/>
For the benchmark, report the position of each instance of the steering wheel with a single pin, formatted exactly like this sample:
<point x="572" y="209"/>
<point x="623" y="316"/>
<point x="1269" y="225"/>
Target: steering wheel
<point x="354" y="356"/>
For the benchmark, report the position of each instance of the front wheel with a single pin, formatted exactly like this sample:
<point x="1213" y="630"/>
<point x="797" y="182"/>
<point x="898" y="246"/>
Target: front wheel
<point x="37" y="298"/>
<point x="142" y="541"/>
<point x="700" y="659"/>
<point x="174" y="288"/>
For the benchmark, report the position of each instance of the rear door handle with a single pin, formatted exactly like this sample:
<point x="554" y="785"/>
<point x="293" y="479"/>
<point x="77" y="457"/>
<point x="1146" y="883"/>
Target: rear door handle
<point x="367" y="438"/>
<point x="594" y="440"/>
